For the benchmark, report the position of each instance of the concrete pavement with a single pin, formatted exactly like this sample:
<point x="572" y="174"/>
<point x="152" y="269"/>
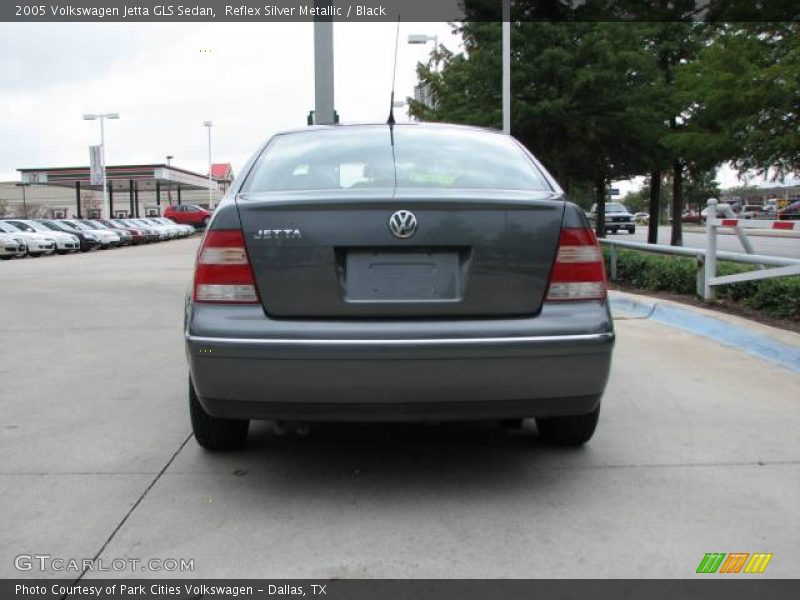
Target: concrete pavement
<point x="697" y="451"/>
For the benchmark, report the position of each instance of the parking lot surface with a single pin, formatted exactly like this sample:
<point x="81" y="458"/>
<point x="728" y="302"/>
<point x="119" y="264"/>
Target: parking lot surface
<point x="697" y="451"/>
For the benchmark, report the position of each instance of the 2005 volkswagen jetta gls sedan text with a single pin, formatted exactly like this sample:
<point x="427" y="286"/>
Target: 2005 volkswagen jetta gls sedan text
<point x="397" y="273"/>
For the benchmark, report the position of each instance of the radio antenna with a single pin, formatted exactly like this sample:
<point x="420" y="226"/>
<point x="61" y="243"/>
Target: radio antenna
<point x="390" y="121"/>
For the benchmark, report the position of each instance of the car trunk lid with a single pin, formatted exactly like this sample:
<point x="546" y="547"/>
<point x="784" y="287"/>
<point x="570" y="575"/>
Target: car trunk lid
<point x="474" y="253"/>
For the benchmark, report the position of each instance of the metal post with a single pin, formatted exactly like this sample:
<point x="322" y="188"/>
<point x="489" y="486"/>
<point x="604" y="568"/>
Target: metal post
<point x="745" y="242"/>
<point x="323" y="72"/>
<point x="507" y="67"/>
<point x="700" y="276"/>
<point x="179" y="194"/>
<point x="613" y="262"/>
<point x="711" y="250"/>
<point x="136" y="197"/>
<point x="24" y="202"/>
<point x="110" y="201"/>
<point x="78" y="197"/>
<point x="130" y="195"/>
<point x="210" y="198"/>
<point x="158" y="196"/>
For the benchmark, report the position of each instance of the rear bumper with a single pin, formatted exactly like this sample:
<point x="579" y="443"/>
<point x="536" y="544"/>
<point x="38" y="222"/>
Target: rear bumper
<point x="380" y="372"/>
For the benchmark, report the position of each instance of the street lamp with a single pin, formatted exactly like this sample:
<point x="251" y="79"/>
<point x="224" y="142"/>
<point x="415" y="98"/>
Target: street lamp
<point x="506" y="67"/>
<point x="420" y="38"/>
<point x="208" y="124"/>
<point x="169" y="158"/>
<point x="102" y="117"/>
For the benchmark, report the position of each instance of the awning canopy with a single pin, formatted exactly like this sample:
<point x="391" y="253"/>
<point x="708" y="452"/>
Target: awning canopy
<point x="145" y="176"/>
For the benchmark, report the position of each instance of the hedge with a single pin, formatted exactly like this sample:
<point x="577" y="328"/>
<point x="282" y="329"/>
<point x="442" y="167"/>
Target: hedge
<point x="778" y="297"/>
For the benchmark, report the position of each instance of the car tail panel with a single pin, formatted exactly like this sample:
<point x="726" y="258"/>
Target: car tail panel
<point x="440" y="253"/>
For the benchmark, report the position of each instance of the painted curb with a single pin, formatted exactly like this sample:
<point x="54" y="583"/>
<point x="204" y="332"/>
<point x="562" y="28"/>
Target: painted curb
<point x="725" y="333"/>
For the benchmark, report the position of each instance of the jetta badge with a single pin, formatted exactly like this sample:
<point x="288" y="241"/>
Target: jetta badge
<point x="403" y="224"/>
<point x="277" y="234"/>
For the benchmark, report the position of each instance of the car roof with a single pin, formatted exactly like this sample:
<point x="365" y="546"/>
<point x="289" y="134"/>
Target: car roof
<point x="434" y="126"/>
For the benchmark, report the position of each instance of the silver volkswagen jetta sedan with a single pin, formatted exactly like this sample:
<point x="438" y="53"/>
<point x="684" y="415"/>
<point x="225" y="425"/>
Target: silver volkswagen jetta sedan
<point x="406" y="272"/>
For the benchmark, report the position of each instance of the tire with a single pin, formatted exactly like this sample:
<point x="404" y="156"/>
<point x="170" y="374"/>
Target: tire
<point x="573" y="430"/>
<point x="62" y="252"/>
<point x="213" y="433"/>
<point x="34" y="254"/>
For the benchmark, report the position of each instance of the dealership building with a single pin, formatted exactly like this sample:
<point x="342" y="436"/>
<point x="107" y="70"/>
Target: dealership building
<point x="133" y="190"/>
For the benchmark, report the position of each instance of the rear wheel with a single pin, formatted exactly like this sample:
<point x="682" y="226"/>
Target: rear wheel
<point x="572" y="430"/>
<point x="213" y="433"/>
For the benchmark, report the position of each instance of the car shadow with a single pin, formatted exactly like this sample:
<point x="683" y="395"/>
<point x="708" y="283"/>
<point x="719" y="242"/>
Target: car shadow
<point x="420" y="459"/>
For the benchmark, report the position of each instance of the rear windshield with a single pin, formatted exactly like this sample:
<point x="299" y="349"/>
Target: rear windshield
<point x="362" y="157"/>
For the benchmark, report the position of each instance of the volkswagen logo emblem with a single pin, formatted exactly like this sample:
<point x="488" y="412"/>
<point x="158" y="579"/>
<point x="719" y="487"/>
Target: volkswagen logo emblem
<point x="403" y="224"/>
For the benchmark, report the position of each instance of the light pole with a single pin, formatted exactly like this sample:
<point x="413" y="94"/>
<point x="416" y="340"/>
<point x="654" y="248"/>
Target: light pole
<point x="102" y="117"/>
<point x="421" y="91"/>
<point x="507" y="67"/>
<point x="169" y="158"/>
<point x="209" y="124"/>
<point x="420" y="38"/>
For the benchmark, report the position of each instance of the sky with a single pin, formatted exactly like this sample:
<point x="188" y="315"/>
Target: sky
<point x="165" y="79"/>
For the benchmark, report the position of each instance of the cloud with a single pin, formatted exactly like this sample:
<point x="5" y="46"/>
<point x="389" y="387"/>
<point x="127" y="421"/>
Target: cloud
<point x="250" y="79"/>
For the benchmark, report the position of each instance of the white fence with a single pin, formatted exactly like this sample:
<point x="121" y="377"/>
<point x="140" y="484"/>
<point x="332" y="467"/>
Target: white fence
<point x="708" y="257"/>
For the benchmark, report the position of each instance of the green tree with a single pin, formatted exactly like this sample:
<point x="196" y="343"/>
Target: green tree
<point x="583" y="100"/>
<point x="743" y="97"/>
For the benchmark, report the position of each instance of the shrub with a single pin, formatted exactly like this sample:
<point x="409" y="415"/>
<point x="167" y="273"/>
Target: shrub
<point x="779" y="297"/>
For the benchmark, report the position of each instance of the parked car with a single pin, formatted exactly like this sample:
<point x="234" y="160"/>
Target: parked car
<point x="754" y="211"/>
<point x="37" y="244"/>
<point x="108" y="239"/>
<point x="125" y="237"/>
<point x="188" y="214"/>
<point x="11" y="246"/>
<point x="65" y="242"/>
<point x="183" y="230"/>
<point x="691" y="216"/>
<point x="88" y="241"/>
<point x="445" y="277"/>
<point x="151" y="235"/>
<point x="618" y="218"/>
<point x="138" y="236"/>
<point x="642" y="218"/>
<point x="164" y="233"/>
<point x="173" y="229"/>
<point x="790" y="212"/>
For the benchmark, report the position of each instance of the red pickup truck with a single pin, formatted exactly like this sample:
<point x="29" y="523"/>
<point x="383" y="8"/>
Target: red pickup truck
<point x="188" y="214"/>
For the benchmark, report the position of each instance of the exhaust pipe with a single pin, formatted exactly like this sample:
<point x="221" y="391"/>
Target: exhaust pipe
<point x="282" y="428"/>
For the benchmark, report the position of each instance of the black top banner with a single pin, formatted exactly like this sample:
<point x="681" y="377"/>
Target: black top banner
<point x="392" y="10"/>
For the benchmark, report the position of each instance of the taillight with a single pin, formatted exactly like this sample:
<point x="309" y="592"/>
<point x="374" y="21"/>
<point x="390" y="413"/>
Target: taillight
<point x="578" y="273"/>
<point x="223" y="272"/>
